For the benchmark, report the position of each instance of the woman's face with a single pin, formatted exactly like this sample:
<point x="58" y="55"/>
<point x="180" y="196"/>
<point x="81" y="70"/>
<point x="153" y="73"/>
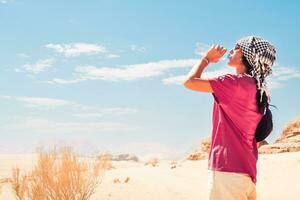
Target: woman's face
<point x="235" y="58"/>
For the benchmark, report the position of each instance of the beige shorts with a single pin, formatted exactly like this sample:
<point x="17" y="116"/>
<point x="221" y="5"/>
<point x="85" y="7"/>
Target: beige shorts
<point x="230" y="186"/>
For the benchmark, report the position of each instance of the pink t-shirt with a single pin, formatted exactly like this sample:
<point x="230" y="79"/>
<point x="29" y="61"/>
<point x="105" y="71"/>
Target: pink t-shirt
<point x="235" y="118"/>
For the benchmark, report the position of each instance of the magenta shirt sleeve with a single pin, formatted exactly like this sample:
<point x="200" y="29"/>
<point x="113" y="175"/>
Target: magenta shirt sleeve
<point x="224" y="88"/>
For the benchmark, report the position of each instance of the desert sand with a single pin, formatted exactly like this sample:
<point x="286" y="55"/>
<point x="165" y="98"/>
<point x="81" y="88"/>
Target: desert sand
<point x="278" y="178"/>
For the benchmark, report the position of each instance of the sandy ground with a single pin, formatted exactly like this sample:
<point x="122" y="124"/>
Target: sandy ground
<point x="278" y="178"/>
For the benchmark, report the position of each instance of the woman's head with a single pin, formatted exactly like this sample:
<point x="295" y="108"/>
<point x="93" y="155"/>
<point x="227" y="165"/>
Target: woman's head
<point x="255" y="56"/>
<point x="259" y="53"/>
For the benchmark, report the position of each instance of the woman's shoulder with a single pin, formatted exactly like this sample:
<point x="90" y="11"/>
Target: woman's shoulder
<point x="246" y="77"/>
<point x="237" y="79"/>
<point x="228" y="76"/>
<point x="239" y="76"/>
<point x="246" y="81"/>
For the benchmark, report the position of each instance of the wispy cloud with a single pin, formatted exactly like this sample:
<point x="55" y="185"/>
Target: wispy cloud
<point x="283" y="73"/>
<point x="113" y="56"/>
<point x="81" y="110"/>
<point x="137" y="48"/>
<point x="106" y="111"/>
<point x="274" y="84"/>
<point x="39" y="66"/>
<point x="174" y="80"/>
<point x="201" y="48"/>
<point x="64" y="81"/>
<point x="43" y="102"/>
<point x="40" y="125"/>
<point x="38" y="101"/>
<point x="77" y="49"/>
<point x="6" y="1"/>
<point x="5" y="97"/>
<point x="126" y="72"/>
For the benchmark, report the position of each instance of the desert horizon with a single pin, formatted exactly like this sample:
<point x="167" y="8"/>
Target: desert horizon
<point x="172" y="179"/>
<point x="126" y="176"/>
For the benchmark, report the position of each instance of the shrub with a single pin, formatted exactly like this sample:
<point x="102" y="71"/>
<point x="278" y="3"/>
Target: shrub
<point x="59" y="175"/>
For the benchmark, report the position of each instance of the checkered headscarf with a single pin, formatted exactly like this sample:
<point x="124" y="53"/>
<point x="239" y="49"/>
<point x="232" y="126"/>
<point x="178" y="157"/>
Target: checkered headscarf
<point x="261" y="56"/>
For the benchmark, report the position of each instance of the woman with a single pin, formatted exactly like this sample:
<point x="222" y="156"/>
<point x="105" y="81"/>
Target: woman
<point x="241" y="115"/>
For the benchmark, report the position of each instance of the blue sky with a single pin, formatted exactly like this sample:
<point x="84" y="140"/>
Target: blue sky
<point x="107" y="75"/>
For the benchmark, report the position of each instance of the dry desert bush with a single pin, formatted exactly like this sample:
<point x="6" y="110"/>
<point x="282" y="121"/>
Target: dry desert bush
<point x="173" y="164"/>
<point x="59" y="175"/>
<point x="127" y="179"/>
<point x="154" y="162"/>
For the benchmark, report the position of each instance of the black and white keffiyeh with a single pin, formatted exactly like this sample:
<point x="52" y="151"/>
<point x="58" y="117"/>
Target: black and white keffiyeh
<point x="261" y="56"/>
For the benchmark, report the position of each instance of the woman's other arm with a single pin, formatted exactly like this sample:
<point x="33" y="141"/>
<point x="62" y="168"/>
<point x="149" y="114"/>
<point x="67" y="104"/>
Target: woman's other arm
<point x="193" y="80"/>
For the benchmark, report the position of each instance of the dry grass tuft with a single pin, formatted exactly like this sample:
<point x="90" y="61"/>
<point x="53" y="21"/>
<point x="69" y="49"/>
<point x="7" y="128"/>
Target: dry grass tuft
<point x="59" y="175"/>
<point x="106" y="161"/>
<point x="127" y="179"/>
<point x="154" y="162"/>
<point x="117" y="180"/>
<point x="173" y="164"/>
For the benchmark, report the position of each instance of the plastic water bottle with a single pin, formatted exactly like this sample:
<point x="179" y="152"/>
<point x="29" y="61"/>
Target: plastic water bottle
<point x="228" y="55"/>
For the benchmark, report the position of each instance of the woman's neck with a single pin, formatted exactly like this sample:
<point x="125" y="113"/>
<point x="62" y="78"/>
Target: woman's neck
<point x="241" y="69"/>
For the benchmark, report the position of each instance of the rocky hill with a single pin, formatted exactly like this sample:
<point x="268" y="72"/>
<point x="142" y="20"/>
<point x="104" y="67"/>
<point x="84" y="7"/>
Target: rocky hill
<point x="202" y="152"/>
<point x="289" y="140"/>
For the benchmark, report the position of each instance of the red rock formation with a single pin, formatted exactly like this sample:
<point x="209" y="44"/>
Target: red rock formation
<point x="202" y="152"/>
<point x="289" y="140"/>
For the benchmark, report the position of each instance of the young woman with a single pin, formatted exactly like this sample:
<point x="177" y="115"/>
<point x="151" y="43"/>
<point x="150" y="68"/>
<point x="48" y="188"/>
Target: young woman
<point x="241" y="115"/>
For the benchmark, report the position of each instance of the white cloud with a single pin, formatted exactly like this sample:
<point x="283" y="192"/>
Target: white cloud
<point x="64" y="81"/>
<point x="77" y="49"/>
<point x="40" y="66"/>
<point x="280" y="74"/>
<point x="132" y="72"/>
<point x="201" y="48"/>
<point x="5" y="97"/>
<point x="43" y="102"/>
<point x="174" y="80"/>
<point x="137" y="48"/>
<point x="274" y="84"/>
<point x="81" y="111"/>
<point x="106" y="111"/>
<point x="39" y="125"/>
<point x="39" y="102"/>
<point x="283" y="73"/>
<point x="125" y="72"/>
<point x="18" y="70"/>
<point x="6" y="1"/>
<point x="113" y="56"/>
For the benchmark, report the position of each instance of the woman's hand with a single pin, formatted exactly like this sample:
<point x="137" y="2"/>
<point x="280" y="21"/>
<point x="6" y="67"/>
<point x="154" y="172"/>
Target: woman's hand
<point x="215" y="53"/>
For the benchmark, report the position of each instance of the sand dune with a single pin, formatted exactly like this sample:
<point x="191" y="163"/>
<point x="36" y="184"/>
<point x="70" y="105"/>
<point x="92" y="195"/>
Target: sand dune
<point x="278" y="176"/>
